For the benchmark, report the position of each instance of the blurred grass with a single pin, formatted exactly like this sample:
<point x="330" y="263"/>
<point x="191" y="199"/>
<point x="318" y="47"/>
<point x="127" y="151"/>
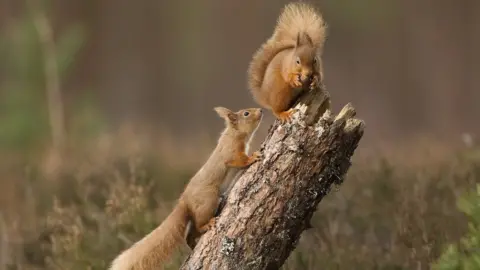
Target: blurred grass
<point x="111" y="192"/>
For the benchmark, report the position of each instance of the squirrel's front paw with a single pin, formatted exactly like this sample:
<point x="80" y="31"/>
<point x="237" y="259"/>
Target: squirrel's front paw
<point x="295" y="80"/>
<point x="315" y="82"/>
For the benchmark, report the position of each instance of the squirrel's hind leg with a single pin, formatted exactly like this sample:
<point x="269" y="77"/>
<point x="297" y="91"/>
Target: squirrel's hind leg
<point x="204" y="212"/>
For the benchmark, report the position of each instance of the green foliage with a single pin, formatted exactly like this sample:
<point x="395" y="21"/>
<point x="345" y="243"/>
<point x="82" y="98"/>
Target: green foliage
<point x="24" y="119"/>
<point x="23" y="115"/>
<point x="466" y="253"/>
<point x="68" y="46"/>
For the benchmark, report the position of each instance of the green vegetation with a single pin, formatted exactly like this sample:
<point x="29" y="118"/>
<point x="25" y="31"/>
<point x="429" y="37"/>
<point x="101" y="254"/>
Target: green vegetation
<point x="465" y="254"/>
<point x="24" y="122"/>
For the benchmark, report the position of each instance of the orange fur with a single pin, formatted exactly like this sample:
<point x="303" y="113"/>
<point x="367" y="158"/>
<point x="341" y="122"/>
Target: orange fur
<point x="242" y="160"/>
<point x="288" y="60"/>
<point x="198" y="202"/>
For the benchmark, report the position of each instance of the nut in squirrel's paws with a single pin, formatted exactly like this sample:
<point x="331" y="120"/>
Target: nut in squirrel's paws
<point x="295" y="80"/>
<point x="315" y="82"/>
<point x="286" y="116"/>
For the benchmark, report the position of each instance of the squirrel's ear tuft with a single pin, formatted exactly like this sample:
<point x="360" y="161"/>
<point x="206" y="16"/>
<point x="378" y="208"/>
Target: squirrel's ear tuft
<point x="226" y="114"/>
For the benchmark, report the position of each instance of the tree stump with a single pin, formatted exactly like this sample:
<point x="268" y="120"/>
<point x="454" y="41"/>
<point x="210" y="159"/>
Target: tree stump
<point x="273" y="200"/>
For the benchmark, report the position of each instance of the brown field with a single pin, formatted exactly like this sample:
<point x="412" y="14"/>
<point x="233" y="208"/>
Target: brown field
<point x="394" y="211"/>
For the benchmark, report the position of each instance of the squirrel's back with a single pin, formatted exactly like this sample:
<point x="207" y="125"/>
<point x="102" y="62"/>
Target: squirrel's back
<point x="296" y="18"/>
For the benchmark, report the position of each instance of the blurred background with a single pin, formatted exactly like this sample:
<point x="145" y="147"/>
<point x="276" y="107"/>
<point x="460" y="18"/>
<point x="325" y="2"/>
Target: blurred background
<point x="106" y="111"/>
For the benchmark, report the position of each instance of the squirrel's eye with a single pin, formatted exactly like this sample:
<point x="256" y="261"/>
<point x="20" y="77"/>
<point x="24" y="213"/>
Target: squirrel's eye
<point x="315" y="60"/>
<point x="246" y="114"/>
<point x="298" y="61"/>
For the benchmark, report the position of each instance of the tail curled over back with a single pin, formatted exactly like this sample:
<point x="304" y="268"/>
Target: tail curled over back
<point x="300" y="18"/>
<point x="296" y="20"/>
<point x="152" y="250"/>
<point x="259" y="64"/>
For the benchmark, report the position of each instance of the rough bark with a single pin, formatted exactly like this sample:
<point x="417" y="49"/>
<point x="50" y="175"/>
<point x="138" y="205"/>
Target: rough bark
<point x="272" y="202"/>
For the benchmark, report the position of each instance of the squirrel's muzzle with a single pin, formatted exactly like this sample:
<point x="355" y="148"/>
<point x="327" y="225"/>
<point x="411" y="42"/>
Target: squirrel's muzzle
<point x="306" y="77"/>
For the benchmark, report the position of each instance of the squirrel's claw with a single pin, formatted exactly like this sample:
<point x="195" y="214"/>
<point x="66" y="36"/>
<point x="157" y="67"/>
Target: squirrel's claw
<point x="210" y="225"/>
<point x="286" y="116"/>
<point x="257" y="155"/>
<point x="212" y="222"/>
<point x="295" y="80"/>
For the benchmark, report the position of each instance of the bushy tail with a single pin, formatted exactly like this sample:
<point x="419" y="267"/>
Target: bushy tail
<point x="296" y="18"/>
<point x="152" y="250"/>
<point x="300" y="18"/>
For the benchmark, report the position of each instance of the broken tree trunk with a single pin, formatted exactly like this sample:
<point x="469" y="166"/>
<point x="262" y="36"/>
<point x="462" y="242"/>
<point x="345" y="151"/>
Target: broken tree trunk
<point x="272" y="202"/>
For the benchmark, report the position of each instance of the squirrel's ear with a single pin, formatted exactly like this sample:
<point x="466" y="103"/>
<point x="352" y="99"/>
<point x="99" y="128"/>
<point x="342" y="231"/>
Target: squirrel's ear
<point x="222" y="111"/>
<point x="309" y="39"/>
<point x="226" y="114"/>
